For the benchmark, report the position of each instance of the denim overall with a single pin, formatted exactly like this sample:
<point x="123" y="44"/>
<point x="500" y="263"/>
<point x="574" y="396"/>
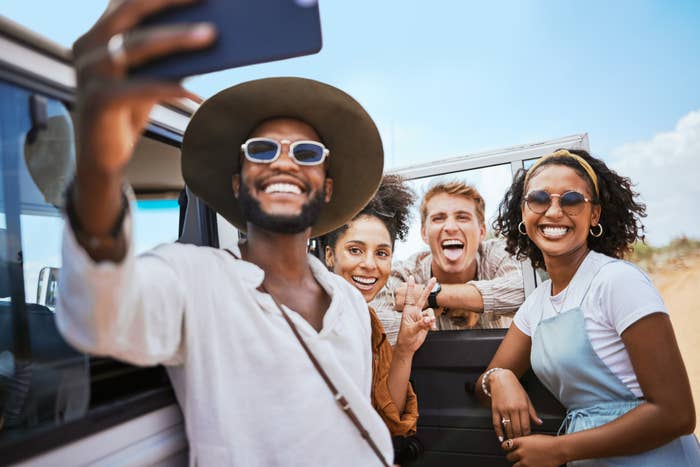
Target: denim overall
<point x="564" y="360"/>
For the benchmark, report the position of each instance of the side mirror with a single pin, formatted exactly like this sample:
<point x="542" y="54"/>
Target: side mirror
<point x="49" y="152"/>
<point x="47" y="287"/>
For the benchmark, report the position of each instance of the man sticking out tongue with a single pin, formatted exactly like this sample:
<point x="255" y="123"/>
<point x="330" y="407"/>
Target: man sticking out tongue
<point x="479" y="284"/>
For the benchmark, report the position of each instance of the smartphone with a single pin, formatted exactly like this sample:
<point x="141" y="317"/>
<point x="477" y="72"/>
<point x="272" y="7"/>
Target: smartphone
<point x="249" y="31"/>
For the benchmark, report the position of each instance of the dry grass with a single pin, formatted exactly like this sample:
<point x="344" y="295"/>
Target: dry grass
<point x="677" y="276"/>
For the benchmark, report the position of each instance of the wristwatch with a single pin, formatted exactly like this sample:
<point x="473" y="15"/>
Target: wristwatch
<point x="432" y="298"/>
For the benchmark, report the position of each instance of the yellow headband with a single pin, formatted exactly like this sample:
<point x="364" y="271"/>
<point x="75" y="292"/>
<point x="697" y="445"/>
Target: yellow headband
<point x="564" y="153"/>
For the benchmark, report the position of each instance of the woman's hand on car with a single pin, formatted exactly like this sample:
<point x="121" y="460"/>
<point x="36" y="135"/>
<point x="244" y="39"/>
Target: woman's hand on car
<point x="511" y="409"/>
<point x="534" y="451"/>
<point x="415" y="322"/>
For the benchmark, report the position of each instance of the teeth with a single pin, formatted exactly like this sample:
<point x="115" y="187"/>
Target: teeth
<point x="452" y="243"/>
<point x="364" y="280"/>
<point x="555" y="231"/>
<point x="283" y="188"/>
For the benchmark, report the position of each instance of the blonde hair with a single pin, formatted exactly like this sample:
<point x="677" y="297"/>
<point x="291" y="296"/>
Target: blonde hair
<point x="454" y="188"/>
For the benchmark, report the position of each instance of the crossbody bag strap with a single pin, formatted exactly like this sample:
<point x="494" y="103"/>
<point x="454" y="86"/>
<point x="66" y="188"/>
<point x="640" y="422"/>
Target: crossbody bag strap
<point x="340" y="398"/>
<point x="337" y="395"/>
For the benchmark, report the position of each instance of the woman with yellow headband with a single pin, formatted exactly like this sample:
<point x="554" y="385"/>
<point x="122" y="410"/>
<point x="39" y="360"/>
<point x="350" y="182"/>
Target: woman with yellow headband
<point x="597" y="333"/>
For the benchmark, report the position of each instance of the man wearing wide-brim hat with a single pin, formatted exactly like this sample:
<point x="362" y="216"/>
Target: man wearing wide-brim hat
<point x="261" y="342"/>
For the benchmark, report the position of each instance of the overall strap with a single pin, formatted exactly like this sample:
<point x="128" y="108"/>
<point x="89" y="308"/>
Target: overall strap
<point x="592" y="277"/>
<point x="337" y="395"/>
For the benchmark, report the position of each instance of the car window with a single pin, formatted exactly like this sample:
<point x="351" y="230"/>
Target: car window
<point x="155" y="222"/>
<point x="44" y="382"/>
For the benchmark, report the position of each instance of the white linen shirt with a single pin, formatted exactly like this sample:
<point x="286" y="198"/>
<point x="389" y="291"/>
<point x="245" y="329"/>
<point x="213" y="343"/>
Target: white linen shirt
<point x="249" y="394"/>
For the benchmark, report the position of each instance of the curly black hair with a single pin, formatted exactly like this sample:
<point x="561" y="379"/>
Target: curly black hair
<point x="620" y="215"/>
<point x="391" y="205"/>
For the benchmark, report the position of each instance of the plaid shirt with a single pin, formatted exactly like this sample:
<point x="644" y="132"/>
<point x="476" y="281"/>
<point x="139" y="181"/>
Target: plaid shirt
<point x="498" y="278"/>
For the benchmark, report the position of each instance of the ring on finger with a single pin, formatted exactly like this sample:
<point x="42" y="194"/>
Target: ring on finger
<point x="505" y="420"/>
<point x="116" y="49"/>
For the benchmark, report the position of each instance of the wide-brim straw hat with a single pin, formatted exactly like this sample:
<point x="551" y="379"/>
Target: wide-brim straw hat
<point x="213" y="138"/>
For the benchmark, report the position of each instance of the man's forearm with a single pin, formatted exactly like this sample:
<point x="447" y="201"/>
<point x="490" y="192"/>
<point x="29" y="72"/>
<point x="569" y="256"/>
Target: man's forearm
<point x="98" y="204"/>
<point x="462" y="296"/>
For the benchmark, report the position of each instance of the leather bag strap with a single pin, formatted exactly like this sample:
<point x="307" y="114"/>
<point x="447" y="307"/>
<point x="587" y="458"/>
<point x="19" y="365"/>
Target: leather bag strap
<point x="337" y="395"/>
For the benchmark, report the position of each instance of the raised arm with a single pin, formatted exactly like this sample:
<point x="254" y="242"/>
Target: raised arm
<point x="132" y="310"/>
<point x="112" y="111"/>
<point x="393" y="396"/>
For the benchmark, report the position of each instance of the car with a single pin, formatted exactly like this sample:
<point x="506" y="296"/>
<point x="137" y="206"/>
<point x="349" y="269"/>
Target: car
<point x="61" y="407"/>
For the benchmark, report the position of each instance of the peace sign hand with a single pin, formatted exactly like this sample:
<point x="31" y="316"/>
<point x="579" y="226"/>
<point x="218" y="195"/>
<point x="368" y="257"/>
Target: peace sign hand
<point x="415" y="322"/>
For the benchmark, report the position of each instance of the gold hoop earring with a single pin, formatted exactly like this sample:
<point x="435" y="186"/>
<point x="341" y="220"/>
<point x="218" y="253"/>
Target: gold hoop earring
<point x="597" y="234"/>
<point x="522" y="231"/>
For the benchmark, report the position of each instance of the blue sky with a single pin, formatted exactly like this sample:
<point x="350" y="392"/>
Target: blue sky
<point x="449" y="78"/>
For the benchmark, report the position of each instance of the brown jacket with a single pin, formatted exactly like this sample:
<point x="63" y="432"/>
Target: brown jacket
<point x="399" y="424"/>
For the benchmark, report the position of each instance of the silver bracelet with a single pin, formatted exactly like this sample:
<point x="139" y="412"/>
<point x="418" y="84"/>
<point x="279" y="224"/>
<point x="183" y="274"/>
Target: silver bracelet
<point x="485" y="377"/>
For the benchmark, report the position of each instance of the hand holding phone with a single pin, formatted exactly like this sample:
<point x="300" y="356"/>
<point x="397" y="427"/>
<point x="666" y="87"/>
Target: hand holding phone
<point x="112" y="110"/>
<point x="248" y="32"/>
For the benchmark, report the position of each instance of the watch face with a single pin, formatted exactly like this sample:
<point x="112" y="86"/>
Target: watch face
<point x="436" y="288"/>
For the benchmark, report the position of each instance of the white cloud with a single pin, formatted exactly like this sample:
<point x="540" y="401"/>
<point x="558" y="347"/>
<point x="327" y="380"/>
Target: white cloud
<point x="666" y="169"/>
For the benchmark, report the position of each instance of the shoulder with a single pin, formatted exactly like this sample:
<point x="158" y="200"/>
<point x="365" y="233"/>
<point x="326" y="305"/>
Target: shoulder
<point x="186" y="254"/>
<point x="378" y="334"/>
<point x="494" y="250"/>
<point x="205" y="265"/>
<point x="414" y="264"/>
<point x="622" y="293"/>
<point x="535" y="298"/>
<point x="623" y="270"/>
<point x="531" y="311"/>
<point x="614" y="272"/>
<point x="493" y="244"/>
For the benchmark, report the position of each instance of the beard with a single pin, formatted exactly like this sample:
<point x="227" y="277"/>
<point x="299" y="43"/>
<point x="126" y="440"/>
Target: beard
<point x="294" y="224"/>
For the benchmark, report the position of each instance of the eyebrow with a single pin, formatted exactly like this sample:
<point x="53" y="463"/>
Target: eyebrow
<point x="444" y="213"/>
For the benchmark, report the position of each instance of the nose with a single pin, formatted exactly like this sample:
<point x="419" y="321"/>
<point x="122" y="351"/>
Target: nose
<point x="554" y="209"/>
<point x="450" y="224"/>
<point x="285" y="161"/>
<point x="368" y="262"/>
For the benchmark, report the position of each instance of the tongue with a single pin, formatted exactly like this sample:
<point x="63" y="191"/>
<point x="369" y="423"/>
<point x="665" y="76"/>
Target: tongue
<point x="452" y="254"/>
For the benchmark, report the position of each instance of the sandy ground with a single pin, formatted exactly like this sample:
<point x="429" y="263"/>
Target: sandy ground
<point x="679" y="283"/>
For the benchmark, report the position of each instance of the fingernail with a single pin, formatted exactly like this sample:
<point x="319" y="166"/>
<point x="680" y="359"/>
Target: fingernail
<point x="500" y="439"/>
<point x="203" y="30"/>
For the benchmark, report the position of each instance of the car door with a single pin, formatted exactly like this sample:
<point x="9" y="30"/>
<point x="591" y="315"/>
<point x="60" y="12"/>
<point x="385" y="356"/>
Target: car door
<point x="453" y="428"/>
<point x="59" y="406"/>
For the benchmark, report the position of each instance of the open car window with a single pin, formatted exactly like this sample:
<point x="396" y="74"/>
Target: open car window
<point x="46" y="386"/>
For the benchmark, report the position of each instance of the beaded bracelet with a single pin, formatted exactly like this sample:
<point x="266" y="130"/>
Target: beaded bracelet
<point x="486" y="377"/>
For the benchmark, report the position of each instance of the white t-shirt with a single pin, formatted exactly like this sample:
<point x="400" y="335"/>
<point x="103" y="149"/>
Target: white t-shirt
<point x="619" y="295"/>
<point x="249" y="393"/>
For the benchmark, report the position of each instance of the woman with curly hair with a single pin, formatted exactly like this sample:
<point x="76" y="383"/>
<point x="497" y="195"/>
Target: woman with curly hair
<point x="597" y="333"/>
<point x="361" y="252"/>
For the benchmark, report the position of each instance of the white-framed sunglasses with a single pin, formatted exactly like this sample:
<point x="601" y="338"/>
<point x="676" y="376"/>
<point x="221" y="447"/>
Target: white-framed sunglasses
<point x="268" y="150"/>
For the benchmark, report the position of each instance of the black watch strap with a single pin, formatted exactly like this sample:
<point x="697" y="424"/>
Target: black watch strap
<point x="432" y="298"/>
